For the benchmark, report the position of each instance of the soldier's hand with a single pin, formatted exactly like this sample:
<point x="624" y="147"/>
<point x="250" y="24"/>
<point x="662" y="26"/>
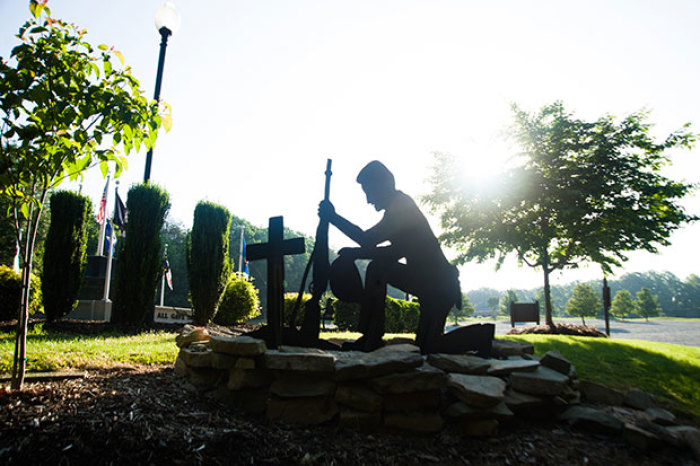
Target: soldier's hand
<point x="326" y="210"/>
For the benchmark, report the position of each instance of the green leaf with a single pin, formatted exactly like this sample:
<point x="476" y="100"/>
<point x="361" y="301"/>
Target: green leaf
<point x="102" y="47"/>
<point x="167" y="122"/>
<point x="24" y="208"/>
<point x="104" y="168"/>
<point x="35" y="8"/>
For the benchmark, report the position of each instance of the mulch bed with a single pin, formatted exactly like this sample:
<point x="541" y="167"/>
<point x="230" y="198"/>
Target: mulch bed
<point x="147" y="415"/>
<point x="558" y="329"/>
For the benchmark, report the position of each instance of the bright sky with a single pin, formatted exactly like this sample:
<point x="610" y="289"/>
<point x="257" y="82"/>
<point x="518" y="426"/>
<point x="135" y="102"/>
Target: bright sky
<point x="263" y="92"/>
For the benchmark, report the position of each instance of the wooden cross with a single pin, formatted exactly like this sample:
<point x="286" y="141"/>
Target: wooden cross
<point x="274" y="251"/>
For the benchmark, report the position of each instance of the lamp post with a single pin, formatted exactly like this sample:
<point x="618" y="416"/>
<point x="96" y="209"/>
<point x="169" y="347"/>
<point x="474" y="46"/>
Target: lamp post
<point x="167" y="22"/>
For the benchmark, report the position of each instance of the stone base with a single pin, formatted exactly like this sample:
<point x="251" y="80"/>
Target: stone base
<point x="92" y="309"/>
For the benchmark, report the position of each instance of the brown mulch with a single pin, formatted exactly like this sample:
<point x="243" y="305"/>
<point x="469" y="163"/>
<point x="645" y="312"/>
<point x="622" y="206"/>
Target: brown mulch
<point x="145" y="415"/>
<point x="148" y="415"/>
<point x="558" y="329"/>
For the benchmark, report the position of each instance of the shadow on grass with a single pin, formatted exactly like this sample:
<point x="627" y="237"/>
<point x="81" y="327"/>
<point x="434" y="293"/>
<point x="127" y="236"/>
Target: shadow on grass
<point x="669" y="372"/>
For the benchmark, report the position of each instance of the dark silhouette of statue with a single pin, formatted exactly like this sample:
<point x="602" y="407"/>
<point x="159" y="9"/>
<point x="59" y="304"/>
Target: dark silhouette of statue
<point x="403" y="252"/>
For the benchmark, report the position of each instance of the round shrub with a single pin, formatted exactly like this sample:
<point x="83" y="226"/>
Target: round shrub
<point x="401" y="316"/>
<point x="290" y="300"/>
<point x="10" y="291"/>
<point x="346" y="316"/>
<point x="239" y="303"/>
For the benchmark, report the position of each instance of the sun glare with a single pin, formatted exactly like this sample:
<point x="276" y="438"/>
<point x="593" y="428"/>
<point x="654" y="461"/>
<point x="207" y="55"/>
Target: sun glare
<point x="482" y="163"/>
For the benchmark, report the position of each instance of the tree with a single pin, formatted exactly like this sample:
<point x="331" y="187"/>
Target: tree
<point x="647" y="304"/>
<point x="511" y="296"/>
<point x="8" y="240"/>
<point x="65" y="252"/>
<point x="61" y="113"/>
<point x="583" y="192"/>
<point x="622" y="304"/>
<point x="466" y="310"/>
<point x="690" y="295"/>
<point x="140" y="259"/>
<point x="492" y="303"/>
<point x="584" y="302"/>
<point x="208" y="266"/>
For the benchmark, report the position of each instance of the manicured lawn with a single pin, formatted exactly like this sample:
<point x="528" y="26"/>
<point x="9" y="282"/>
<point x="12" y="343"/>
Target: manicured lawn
<point x="49" y="351"/>
<point x="670" y="372"/>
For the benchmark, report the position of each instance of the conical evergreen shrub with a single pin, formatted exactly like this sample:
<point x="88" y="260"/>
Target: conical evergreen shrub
<point x="64" y="253"/>
<point x="140" y="259"/>
<point x="208" y="266"/>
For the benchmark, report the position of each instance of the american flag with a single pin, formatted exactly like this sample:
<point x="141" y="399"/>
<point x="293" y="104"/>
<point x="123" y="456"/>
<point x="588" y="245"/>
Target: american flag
<point x="103" y="205"/>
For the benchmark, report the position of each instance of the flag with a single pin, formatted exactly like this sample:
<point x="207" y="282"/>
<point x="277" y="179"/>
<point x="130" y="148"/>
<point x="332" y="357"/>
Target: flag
<point x="110" y="238"/>
<point x="168" y="273"/>
<point x="103" y="205"/>
<point x="244" y="260"/>
<point x="119" y="217"/>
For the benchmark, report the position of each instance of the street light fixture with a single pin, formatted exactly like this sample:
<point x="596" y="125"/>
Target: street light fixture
<point x="167" y="23"/>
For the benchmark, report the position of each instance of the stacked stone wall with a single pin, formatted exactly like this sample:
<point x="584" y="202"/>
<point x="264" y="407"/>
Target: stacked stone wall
<point x="396" y="387"/>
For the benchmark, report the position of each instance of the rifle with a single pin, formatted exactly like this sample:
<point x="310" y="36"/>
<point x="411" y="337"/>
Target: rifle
<point x="319" y="281"/>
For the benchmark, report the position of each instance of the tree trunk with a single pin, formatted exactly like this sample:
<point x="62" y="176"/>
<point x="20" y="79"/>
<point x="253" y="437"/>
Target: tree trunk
<point x="547" y="296"/>
<point x="19" y="365"/>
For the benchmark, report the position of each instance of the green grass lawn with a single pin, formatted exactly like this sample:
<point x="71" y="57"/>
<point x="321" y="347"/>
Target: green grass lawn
<point x="670" y="372"/>
<point x="50" y="351"/>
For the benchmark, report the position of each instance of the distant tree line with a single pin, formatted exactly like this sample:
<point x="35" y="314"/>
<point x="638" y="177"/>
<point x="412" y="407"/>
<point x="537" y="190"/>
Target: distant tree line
<point x="675" y="297"/>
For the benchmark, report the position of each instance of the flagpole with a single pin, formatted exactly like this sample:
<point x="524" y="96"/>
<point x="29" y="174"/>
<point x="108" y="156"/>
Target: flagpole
<point x="101" y="239"/>
<point x="240" y="251"/>
<point x="162" y="279"/>
<point x="108" y="271"/>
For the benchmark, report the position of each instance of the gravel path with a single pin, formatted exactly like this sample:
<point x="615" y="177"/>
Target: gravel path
<point x="680" y="332"/>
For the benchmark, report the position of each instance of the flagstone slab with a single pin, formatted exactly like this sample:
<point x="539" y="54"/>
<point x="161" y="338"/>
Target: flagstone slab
<point x="661" y="416"/>
<point x="296" y="386"/>
<point x="555" y="360"/>
<point x="191" y="334"/>
<point x="506" y="366"/>
<point x="460" y="409"/>
<point x="401" y="347"/>
<point x="302" y="411"/>
<point x="238" y="345"/>
<point x="639" y="399"/>
<point x="517" y="400"/>
<point x="502" y="348"/>
<point x="592" y="419"/>
<point x="309" y="362"/>
<point x="599" y="393"/>
<point x="412" y="401"/>
<point x="248" y="378"/>
<point x="223" y="361"/>
<point x="476" y="390"/>
<point x="543" y="381"/>
<point x="194" y="358"/>
<point x="639" y="437"/>
<point x="359" y="397"/>
<point x="351" y="365"/>
<point x="423" y="378"/>
<point x="460" y="363"/>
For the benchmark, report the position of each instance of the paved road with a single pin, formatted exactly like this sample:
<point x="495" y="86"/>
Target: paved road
<point x="686" y="332"/>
